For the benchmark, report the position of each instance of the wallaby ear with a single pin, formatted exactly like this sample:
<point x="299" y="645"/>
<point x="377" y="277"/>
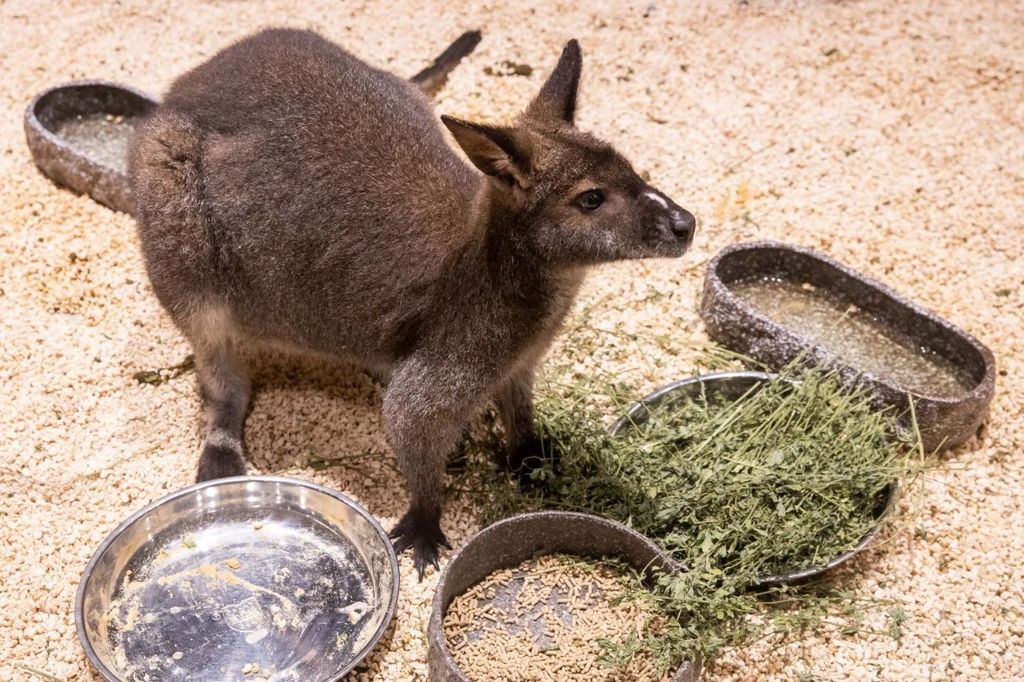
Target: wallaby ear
<point x="492" y="149"/>
<point x="557" y="99"/>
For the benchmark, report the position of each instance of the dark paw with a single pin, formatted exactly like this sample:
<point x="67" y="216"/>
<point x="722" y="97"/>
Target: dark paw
<point x="423" y="533"/>
<point x="529" y="456"/>
<point x="218" y="461"/>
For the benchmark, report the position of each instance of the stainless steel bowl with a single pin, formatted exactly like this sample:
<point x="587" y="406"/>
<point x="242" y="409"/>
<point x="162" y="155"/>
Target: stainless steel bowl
<point x="246" y="578"/>
<point x="732" y="386"/>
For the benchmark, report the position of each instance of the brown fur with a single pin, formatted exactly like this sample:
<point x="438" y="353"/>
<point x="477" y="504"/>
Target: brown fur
<point x="288" y="193"/>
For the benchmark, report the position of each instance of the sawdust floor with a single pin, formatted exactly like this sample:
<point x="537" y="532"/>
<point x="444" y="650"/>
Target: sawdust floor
<point x="888" y="134"/>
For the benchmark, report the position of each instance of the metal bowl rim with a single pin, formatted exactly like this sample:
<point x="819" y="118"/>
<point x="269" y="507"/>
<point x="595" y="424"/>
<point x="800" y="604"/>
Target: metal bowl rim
<point x="659" y="393"/>
<point x="797" y="575"/>
<point x="111" y="676"/>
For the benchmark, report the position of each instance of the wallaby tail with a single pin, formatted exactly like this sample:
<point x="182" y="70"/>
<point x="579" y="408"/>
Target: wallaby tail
<point x="432" y="79"/>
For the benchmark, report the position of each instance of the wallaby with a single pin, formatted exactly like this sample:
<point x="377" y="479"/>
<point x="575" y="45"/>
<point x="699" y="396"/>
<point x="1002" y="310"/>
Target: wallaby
<point x="290" y="194"/>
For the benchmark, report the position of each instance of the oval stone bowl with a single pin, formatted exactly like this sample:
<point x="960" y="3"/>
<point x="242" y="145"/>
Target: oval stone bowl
<point x="944" y="421"/>
<point x="235" y="579"/>
<point x="732" y="386"/>
<point x="78" y="135"/>
<point x="510" y="542"/>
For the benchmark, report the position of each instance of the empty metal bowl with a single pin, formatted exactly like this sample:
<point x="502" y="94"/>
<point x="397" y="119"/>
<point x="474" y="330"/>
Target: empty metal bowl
<point x="239" y="578"/>
<point x="732" y="386"/>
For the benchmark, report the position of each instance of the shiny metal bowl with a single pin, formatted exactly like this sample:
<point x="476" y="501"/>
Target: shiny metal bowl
<point x="732" y="386"/>
<point x="241" y="578"/>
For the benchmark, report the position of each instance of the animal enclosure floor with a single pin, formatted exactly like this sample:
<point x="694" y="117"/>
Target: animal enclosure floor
<point x="890" y="135"/>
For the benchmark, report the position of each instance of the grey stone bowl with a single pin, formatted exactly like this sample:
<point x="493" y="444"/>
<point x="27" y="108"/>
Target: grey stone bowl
<point x="511" y="541"/>
<point x="944" y="422"/>
<point x="68" y="165"/>
<point x="732" y="386"/>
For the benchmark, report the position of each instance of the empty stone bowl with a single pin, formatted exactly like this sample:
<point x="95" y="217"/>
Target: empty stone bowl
<point x="78" y="134"/>
<point x="778" y="303"/>
<point x="512" y="541"/>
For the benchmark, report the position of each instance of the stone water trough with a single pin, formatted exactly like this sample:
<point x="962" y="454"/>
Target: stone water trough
<point x="777" y="303"/>
<point x="78" y="134"/>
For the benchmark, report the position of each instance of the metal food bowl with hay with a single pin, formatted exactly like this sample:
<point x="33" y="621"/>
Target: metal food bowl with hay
<point x="733" y="386"/>
<point x="239" y="578"/>
<point x="778" y="303"/>
<point x="510" y="542"/>
<point x="78" y="134"/>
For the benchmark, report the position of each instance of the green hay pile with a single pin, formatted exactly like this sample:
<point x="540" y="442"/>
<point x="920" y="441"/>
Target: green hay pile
<point x="786" y="477"/>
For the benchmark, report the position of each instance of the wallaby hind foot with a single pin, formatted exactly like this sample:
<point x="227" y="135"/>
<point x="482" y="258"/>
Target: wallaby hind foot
<point x="219" y="461"/>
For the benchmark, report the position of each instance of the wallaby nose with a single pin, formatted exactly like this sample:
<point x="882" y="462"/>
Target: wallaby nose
<point x="683" y="224"/>
<point x="671" y="217"/>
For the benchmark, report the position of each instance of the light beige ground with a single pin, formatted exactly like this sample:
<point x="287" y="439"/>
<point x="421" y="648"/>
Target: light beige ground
<point x="889" y="134"/>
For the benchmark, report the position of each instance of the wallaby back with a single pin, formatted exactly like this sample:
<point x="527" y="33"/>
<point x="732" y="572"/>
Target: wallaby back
<point x="322" y="179"/>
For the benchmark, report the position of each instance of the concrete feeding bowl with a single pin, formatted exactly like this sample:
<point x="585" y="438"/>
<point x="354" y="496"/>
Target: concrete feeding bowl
<point x="944" y="420"/>
<point x="78" y="135"/>
<point x="510" y="542"/>
<point x="732" y="386"/>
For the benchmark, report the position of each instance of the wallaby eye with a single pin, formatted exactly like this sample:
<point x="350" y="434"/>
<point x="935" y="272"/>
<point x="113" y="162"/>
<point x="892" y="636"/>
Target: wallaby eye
<point x="590" y="200"/>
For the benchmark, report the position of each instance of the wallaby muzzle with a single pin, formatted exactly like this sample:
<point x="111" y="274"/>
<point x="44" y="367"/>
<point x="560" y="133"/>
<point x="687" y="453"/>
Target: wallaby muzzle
<point x="675" y="225"/>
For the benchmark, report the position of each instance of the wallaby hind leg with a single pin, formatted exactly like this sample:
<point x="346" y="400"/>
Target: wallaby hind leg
<point x="225" y="391"/>
<point x="515" y="402"/>
<point x="525" y="451"/>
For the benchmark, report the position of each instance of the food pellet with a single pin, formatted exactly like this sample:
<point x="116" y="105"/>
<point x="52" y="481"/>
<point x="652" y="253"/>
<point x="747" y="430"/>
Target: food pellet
<point x="543" y="621"/>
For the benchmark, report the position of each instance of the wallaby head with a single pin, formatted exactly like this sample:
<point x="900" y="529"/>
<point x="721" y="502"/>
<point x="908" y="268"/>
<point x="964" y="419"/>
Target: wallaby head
<point x="566" y="194"/>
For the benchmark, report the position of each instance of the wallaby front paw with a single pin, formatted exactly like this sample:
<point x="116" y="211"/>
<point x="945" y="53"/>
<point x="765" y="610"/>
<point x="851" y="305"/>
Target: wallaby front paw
<point x="424" y="535"/>
<point x="219" y="461"/>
